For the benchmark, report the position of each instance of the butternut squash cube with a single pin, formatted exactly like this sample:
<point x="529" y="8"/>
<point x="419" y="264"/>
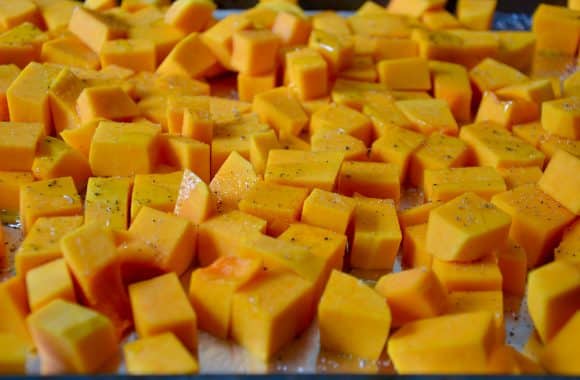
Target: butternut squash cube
<point x="14" y="308"/>
<point x="438" y="152"/>
<point x="10" y="183"/>
<point x="469" y="276"/>
<point x="55" y="159"/>
<point x="21" y="45"/>
<point x="232" y="182"/>
<point x="471" y="226"/>
<point x="491" y="75"/>
<point x="13" y="14"/>
<point x="348" y="305"/>
<point x="506" y="111"/>
<point x="69" y="50"/>
<point x="91" y="255"/>
<point x="412" y="294"/>
<point x="254" y="51"/>
<point x="394" y="48"/>
<point x="135" y="144"/>
<point x="405" y="74"/>
<point x="562" y="117"/>
<point x="537" y="221"/>
<point x="94" y="28"/>
<point x="549" y="144"/>
<point x="137" y="55"/>
<point x="396" y="146"/>
<point x="190" y="15"/>
<point x="429" y="115"/>
<point x="507" y="360"/>
<point x="338" y="141"/>
<point x="292" y="29"/>
<point x="558" y="184"/>
<point x="260" y="146"/>
<point x="107" y="202"/>
<point x="187" y="154"/>
<point x="538" y="90"/>
<point x="224" y="234"/>
<point x="328" y="210"/>
<point x="414" y="8"/>
<point x="163" y="36"/>
<point x="553" y="297"/>
<point x="180" y="61"/>
<point x="212" y="290"/>
<point x="56" y="15"/>
<point x="107" y="102"/>
<point x="8" y="73"/>
<point x="48" y="282"/>
<point x="415" y="254"/>
<point x="476" y="14"/>
<point x="519" y="176"/>
<point x="219" y="37"/>
<point x="281" y="109"/>
<point x="251" y="85"/>
<point x="18" y="144"/>
<point x="363" y="68"/>
<point x="432" y="345"/>
<point x="343" y="119"/>
<point x="380" y="25"/>
<point x="41" y="244"/>
<point x="307" y="73"/>
<point x="331" y="22"/>
<point x="137" y="5"/>
<point x="268" y="312"/>
<point x="446" y="184"/>
<point x="303" y="169"/>
<point x="440" y="19"/>
<point x="559" y="354"/>
<point x="55" y="197"/>
<point x="62" y="95"/>
<point x="377" y="235"/>
<point x="80" y="138"/>
<point x="371" y="179"/>
<point x="451" y="83"/>
<point x="12" y="355"/>
<point x="159" y="355"/>
<point x="556" y="28"/>
<point x="72" y="338"/>
<point x="513" y="264"/>
<point x="160" y="305"/>
<point x="569" y="248"/>
<point x="278" y="204"/>
<point x="337" y="51"/>
<point x="157" y="191"/>
<point x="195" y="201"/>
<point x="417" y="214"/>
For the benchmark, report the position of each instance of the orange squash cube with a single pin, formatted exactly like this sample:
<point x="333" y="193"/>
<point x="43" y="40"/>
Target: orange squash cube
<point x="14" y="308"/>
<point x="338" y="51"/>
<point x="470" y="276"/>
<point x="260" y="146"/>
<point x="180" y="61"/>
<point x="95" y="28"/>
<point x="219" y="37"/>
<point x="405" y="74"/>
<point x="415" y="254"/>
<point x="519" y="176"/>
<point x="282" y="110"/>
<point x="491" y="75"/>
<point x="513" y="264"/>
<point x="254" y="51"/>
<point x="328" y="210"/>
<point x="8" y="73"/>
<point x="137" y="55"/>
<point x="307" y="73"/>
<point x="62" y="95"/>
<point x="232" y="182"/>
<point x="446" y="184"/>
<point x="190" y="15"/>
<point x="12" y="14"/>
<point x="157" y="191"/>
<point x="18" y="142"/>
<point x="396" y="145"/>
<point x="429" y="115"/>
<point x="21" y="45"/>
<point x="107" y="202"/>
<point x="195" y="201"/>
<point x="292" y="29"/>
<point x="251" y="85"/>
<point x="108" y="102"/>
<point x="47" y="283"/>
<point x="558" y="355"/>
<point x="187" y="154"/>
<point x="341" y="118"/>
<point x="451" y="83"/>
<point x="570" y="244"/>
<point x="371" y="179"/>
<point x="476" y="14"/>
<point x="13" y="352"/>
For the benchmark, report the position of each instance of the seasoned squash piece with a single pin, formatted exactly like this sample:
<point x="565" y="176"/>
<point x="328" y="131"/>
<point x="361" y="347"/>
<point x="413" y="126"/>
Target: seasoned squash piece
<point x="18" y="144"/>
<point x="62" y="95"/>
<point x="232" y="182"/>
<point x="562" y="117"/>
<point x="163" y="36"/>
<point x="260" y="146"/>
<point x="303" y="169"/>
<point x="469" y="276"/>
<point x="491" y="301"/>
<point x="537" y="221"/>
<point x="393" y="48"/>
<point x="94" y="29"/>
<point x="438" y="152"/>
<point x="8" y="74"/>
<point x="396" y="145"/>
<point x="136" y="146"/>
<point x="412" y="294"/>
<point x="343" y="119"/>
<point x="415" y="254"/>
<point x="539" y="90"/>
<point x="91" y="255"/>
<point x="356" y="95"/>
<point x="559" y="182"/>
<point x="476" y="14"/>
<point x="190" y="116"/>
<point x="268" y="312"/>
<point x="219" y="37"/>
<point x="56" y="14"/>
<point x="550" y="144"/>
<point x="532" y="133"/>
<point x="331" y="22"/>
<point x="559" y="354"/>
<point x="446" y="184"/>
<point x="432" y="345"/>
<point x="328" y="210"/>
<point x="281" y="109"/>
<point x="337" y="51"/>
<point x="72" y="339"/>
<point x="107" y="202"/>
<point x="491" y="75"/>
<point x="12" y="355"/>
<point x="516" y="49"/>
<point x="440" y="19"/>
<point x="41" y="245"/>
<point x="377" y="235"/>
<point x="384" y="114"/>
<point x="405" y="74"/>
<point x="472" y="227"/>
<point x="161" y="354"/>
<point x="190" y="15"/>
<point x="307" y="73"/>
<point x="157" y="191"/>
<point x="10" y="183"/>
<point x="186" y="153"/>
<point x="47" y="283"/>
<point x="348" y="305"/>
<point x="553" y="297"/>
<point x="451" y="83"/>
<point x="506" y="111"/>
<point x="371" y="179"/>
<point x="518" y="176"/>
<point x="292" y="29"/>
<point x="513" y="264"/>
<point x="21" y="45"/>
<point x="108" y="102"/>
<point x="180" y="61"/>
<point x="414" y="8"/>
<point x="569" y="248"/>
<point x="137" y="55"/>
<point x="14" y="308"/>
<point x="556" y="28"/>
<point x="69" y="50"/>
<point x="363" y="69"/>
<point x="254" y="51"/>
<point x="251" y="85"/>
<point x="15" y="13"/>
<point x="417" y="214"/>
<point x="55" y="197"/>
<point x="338" y="141"/>
<point x="160" y="305"/>
<point x="195" y="201"/>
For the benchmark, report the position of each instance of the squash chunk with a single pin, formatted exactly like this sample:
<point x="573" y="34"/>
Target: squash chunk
<point x="10" y="183"/>
<point x="268" y="312"/>
<point x="180" y="61"/>
<point x="429" y="115"/>
<point x="281" y="109"/>
<point x="433" y="346"/>
<point x="415" y="254"/>
<point x="14" y="308"/>
<point x="160" y="305"/>
<point x="472" y="276"/>
<point x="134" y="54"/>
<point x="136" y="146"/>
<point x="371" y="179"/>
<point x="519" y="176"/>
<point x="8" y="73"/>
<point x="47" y="283"/>
<point x="55" y="197"/>
<point x="491" y="75"/>
<point x="212" y="290"/>
<point x="559" y="182"/>
<point x="569" y="248"/>
<point x="190" y="15"/>
<point x="553" y="297"/>
<point x="21" y="45"/>
<point x="187" y="154"/>
<point x="341" y="119"/>
<point x="107" y="202"/>
<point x="18" y="143"/>
<point x="195" y="201"/>
<point x="232" y="182"/>
<point x="559" y="356"/>
<point x="307" y="73"/>
<point x="451" y="83"/>
<point x="12" y="355"/>
<point x="446" y="184"/>
<point x="69" y="50"/>
<point x="94" y="29"/>
<point x="159" y="355"/>
<point x="92" y="257"/>
<point x="353" y="318"/>
<point x="157" y="191"/>
<point x="107" y="102"/>
<point x="254" y="51"/>
<point x="405" y="74"/>
<point x="513" y="264"/>
<point x="41" y="245"/>
<point x="412" y="294"/>
<point x="396" y="145"/>
<point x="471" y="228"/>
<point x="537" y="221"/>
<point x="278" y="204"/>
<point x="328" y="210"/>
<point x="377" y="235"/>
<point x="72" y="338"/>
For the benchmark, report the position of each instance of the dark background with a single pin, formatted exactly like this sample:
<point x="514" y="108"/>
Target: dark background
<point x="522" y="6"/>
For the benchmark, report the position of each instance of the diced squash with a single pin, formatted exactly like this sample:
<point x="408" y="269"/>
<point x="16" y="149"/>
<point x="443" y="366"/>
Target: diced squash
<point x="405" y="74"/>
<point x="446" y="184"/>
<point x="10" y="183"/>
<point x="158" y="191"/>
<point x="513" y="264"/>
<point x="8" y="73"/>
<point x="180" y="61"/>
<point x="415" y="254"/>
<point x="396" y="145"/>
<point x="569" y="248"/>
<point x="343" y="119"/>
<point x="337" y="51"/>
<point x="190" y="15"/>
<point x="476" y="14"/>
<point x="479" y="275"/>
<point x="370" y="179"/>
<point x="14" y="308"/>
<point x="491" y="75"/>
<point x="251" y="85"/>
<point x="557" y="183"/>
<point x="559" y="355"/>
<point x="556" y="28"/>
<point x="254" y="51"/>
<point x="475" y="301"/>
<point x="260" y="146"/>
<point x="451" y="83"/>
<point x="18" y="144"/>
<point x="307" y="73"/>
<point x="562" y="117"/>
<point x="195" y="201"/>
<point x="232" y="182"/>
<point x="519" y="176"/>
<point x="506" y="359"/>
<point x="187" y="154"/>
<point x="47" y="283"/>
<point x="108" y="102"/>
<point x="137" y="55"/>
<point x="12" y="355"/>
<point x="281" y="109"/>
<point x="107" y="202"/>
<point x="21" y="45"/>
<point x="328" y="210"/>
<point x="219" y="37"/>
<point x="62" y="95"/>
<point x="94" y="29"/>
<point x="292" y="29"/>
